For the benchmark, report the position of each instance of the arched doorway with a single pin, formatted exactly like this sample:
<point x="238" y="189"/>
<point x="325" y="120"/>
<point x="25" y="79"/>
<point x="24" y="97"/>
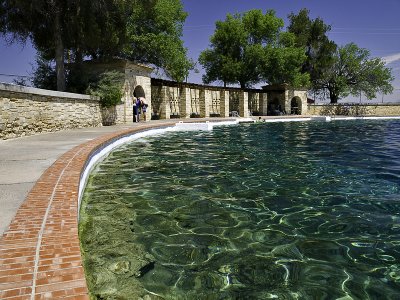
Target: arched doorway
<point x="139" y="104"/>
<point x="295" y="106"/>
<point x="139" y="92"/>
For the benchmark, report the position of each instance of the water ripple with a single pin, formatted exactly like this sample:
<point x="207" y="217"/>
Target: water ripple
<point x="285" y="210"/>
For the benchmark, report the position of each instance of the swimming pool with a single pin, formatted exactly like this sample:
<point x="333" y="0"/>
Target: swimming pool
<point x="306" y="210"/>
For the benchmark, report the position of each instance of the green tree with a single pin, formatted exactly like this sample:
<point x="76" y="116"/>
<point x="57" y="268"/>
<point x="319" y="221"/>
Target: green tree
<point x="353" y="72"/>
<point x="312" y="36"/>
<point x="145" y="31"/>
<point x="237" y="47"/>
<point x="283" y="63"/>
<point x="108" y="88"/>
<point x="39" y="21"/>
<point x="44" y="75"/>
<point x="154" y="31"/>
<point x="56" y="27"/>
<point x="246" y="46"/>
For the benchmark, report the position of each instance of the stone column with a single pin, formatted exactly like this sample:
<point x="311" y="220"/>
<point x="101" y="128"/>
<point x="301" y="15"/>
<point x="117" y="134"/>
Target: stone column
<point x="243" y="104"/>
<point x="165" y="107"/>
<point x="263" y="104"/>
<point x="287" y="100"/>
<point x="304" y="104"/>
<point x="128" y="104"/>
<point x="224" y="110"/>
<point x="147" y="90"/>
<point x="205" y="101"/>
<point x="185" y="103"/>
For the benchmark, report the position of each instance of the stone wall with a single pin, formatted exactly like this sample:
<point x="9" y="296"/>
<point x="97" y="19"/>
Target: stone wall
<point x="135" y="75"/>
<point x="26" y="111"/>
<point x="392" y="109"/>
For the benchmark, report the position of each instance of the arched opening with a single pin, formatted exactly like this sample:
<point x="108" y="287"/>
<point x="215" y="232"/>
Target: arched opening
<point x="295" y="106"/>
<point x="139" y="92"/>
<point x="139" y="104"/>
<point x="274" y="108"/>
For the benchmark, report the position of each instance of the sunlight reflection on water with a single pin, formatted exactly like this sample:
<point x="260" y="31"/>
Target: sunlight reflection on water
<point x="306" y="210"/>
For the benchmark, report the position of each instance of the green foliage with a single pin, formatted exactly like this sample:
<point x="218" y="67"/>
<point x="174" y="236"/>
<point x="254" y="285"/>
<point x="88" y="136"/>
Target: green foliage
<point x="283" y="63"/>
<point x="44" y="75"/>
<point x="108" y="88"/>
<point x="77" y="78"/>
<point x="319" y="50"/>
<point x="154" y="31"/>
<point x="144" y="31"/>
<point x="342" y="71"/>
<point x="246" y="47"/>
<point x="336" y="109"/>
<point x="354" y="72"/>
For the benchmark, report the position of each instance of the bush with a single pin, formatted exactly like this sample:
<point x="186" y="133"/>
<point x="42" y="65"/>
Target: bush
<point x="155" y="117"/>
<point x="345" y="110"/>
<point x="108" y="88"/>
<point x="194" y="115"/>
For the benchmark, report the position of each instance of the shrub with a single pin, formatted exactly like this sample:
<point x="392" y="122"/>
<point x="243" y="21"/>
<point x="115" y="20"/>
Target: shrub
<point x="108" y="88"/>
<point x="195" y="115"/>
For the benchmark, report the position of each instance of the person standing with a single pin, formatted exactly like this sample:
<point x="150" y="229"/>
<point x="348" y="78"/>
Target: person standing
<point x="135" y="110"/>
<point x="144" y="106"/>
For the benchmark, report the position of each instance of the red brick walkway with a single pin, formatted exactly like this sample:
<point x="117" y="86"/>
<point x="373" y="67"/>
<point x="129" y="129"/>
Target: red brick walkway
<point x="40" y="252"/>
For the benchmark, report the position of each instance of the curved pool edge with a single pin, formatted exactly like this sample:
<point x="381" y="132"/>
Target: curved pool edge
<point x="40" y="252"/>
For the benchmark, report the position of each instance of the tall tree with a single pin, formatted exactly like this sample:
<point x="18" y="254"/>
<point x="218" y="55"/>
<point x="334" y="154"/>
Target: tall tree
<point x="39" y="21"/>
<point x="245" y="47"/>
<point x="283" y="63"/>
<point x="44" y="75"/>
<point x="154" y="31"/>
<point x="237" y="47"/>
<point x="146" y="31"/>
<point x="353" y="72"/>
<point x="312" y="35"/>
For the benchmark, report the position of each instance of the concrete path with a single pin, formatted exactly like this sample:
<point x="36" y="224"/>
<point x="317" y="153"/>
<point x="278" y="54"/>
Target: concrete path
<point x="23" y="160"/>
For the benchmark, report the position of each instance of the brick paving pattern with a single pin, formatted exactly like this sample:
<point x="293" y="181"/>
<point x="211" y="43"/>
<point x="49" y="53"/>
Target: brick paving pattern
<point x="40" y="254"/>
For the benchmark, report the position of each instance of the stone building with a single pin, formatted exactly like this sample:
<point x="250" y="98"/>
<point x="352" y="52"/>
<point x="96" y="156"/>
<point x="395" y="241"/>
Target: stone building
<point x="169" y="99"/>
<point x="25" y="111"/>
<point x="136" y="83"/>
<point x="283" y="98"/>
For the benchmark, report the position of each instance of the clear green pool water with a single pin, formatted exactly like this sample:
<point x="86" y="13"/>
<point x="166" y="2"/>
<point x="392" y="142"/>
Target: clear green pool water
<point x="290" y="210"/>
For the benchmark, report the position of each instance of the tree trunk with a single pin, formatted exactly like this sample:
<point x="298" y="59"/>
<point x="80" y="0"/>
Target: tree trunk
<point x="78" y="56"/>
<point x="242" y="85"/>
<point x="59" y="45"/>
<point x="333" y="96"/>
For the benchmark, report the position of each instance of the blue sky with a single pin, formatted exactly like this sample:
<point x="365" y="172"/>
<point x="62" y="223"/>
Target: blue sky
<point x="370" y="24"/>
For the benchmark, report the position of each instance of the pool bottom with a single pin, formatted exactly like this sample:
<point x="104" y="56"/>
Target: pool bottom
<point x="305" y="223"/>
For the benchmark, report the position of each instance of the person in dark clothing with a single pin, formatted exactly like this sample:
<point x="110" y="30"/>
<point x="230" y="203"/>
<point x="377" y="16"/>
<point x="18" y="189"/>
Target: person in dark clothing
<point x="139" y="108"/>
<point x="136" y="109"/>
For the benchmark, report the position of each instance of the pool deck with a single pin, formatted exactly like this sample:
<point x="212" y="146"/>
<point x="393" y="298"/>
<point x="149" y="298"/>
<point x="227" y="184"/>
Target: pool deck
<point x="39" y="179"/>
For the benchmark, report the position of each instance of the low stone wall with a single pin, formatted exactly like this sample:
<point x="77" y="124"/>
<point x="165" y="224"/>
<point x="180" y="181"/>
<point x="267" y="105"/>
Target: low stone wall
<point x="389" y="109"/>
<point x="26" y="111"/>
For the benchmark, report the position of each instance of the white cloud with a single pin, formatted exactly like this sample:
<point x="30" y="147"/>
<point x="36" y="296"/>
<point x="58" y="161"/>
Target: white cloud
<point x="391" y="58"/>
